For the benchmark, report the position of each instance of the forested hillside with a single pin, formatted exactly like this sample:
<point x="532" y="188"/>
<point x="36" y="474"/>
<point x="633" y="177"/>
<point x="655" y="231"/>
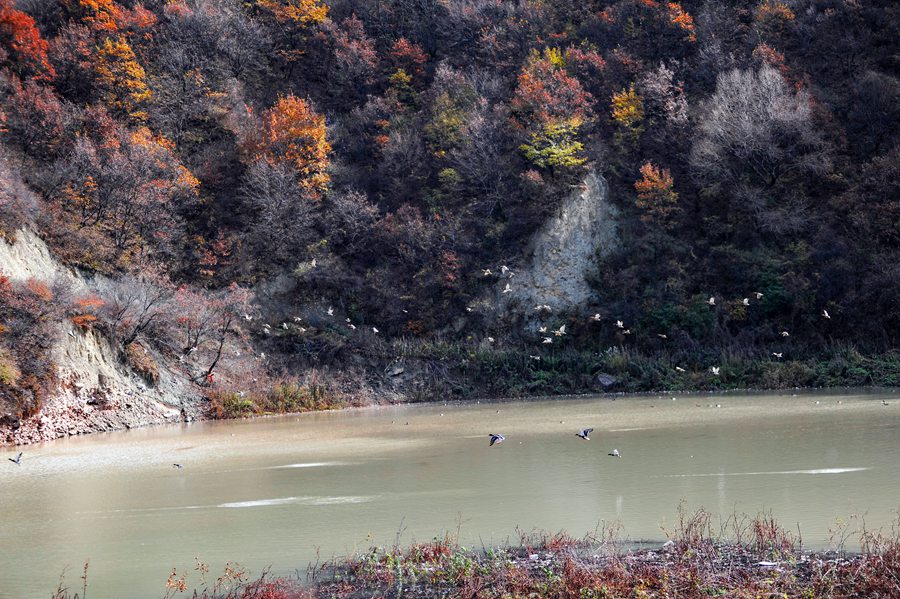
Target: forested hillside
<point x="328" y="191"/>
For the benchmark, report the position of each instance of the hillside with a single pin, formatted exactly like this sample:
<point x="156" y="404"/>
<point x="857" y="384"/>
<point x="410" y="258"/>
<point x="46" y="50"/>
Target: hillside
<point x="290" y="204"/>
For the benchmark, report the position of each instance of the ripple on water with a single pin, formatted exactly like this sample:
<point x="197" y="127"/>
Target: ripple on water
<point x="338" y="500"/>
<point x="815" y="471"/>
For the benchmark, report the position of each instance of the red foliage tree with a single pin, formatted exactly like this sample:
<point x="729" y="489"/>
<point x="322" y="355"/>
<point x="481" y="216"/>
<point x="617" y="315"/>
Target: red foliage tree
<point x="21" y="46"/>
<point x="547" y="92"/>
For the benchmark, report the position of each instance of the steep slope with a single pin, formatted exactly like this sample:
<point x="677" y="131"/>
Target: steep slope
<point x="96" y="390"/>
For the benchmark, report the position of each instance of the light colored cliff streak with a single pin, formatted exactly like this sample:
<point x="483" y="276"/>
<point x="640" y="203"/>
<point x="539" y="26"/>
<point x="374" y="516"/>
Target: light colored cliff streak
<point x="564" y="250"/>
<point x="96" y="391"/>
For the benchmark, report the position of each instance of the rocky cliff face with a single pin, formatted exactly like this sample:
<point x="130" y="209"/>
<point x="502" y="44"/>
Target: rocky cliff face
<point x="564" y="250"/>
<point x="97" y="391"/>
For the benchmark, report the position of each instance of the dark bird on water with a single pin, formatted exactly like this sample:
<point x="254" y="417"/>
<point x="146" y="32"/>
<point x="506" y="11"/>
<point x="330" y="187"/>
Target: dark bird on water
<point x="615" y="453"/>
<point x="17" y="461"/>
<point x="179" y="466"/>
<point x="497" y="438"/>
<point x="583" y="433"/>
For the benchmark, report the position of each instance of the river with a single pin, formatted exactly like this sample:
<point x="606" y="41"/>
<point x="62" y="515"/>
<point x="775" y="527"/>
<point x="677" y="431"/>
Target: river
<point x="278" y="492"/>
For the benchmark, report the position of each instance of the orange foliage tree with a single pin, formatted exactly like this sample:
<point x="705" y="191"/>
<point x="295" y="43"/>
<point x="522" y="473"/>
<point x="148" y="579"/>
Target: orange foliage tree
<point x="656" y="194"/>
<point x="294" y="134"/>
<point x="21" y="46"/>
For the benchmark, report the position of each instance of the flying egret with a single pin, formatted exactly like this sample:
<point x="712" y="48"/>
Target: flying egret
<point x="507" y="289"/>
<point x="826" y="314"/>
<point x="487" y="272"/>
<point x="711" y="301"/>
<point x="596" y="317"/>
<point x="746" y="301"/>
<point x="542" y="329"/>
<point x="662" y="336"/>
<point x="547" y="340"/>
<point x="758" y="295"/>
<point x="679" y="369"/>
<point x="785" y="334"/>
<point x="490" y="339"/>
<point x="714" y="370"/>
<point x="376" y="331"/>
<point x="778" y="354"/>
<point x="330" y="311"/>
<point x="620" y="324"/>
<point x="560" y="331"/>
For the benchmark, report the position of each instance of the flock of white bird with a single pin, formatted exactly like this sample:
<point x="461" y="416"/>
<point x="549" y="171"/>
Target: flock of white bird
<point x="546" y="339"/>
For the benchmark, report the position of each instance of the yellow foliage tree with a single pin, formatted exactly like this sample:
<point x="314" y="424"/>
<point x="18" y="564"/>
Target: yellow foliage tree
<point x="122" y="78"/>
<point x="293" y="133"/>
<point x="628" y="108"/>
<point x="656" y="194"/>
<point x="301" y="13"/>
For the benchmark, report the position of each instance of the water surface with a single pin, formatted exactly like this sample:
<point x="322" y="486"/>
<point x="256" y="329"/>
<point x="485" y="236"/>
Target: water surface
<point x="281" y="491"/>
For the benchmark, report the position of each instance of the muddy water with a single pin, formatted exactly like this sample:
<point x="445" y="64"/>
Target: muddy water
<point x="278" y="492"/>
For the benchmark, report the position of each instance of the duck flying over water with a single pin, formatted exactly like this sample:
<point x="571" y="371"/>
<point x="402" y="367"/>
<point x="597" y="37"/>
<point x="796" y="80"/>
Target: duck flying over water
<point x="615" y="453"/>
<point x="583" y="433"/>
<point x="18" y="459"/>
<point x="179" y="466"/>
<point x="496" y="439"/>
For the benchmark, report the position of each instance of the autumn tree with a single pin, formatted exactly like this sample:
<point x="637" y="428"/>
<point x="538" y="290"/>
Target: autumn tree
<point x="555" y="146"/>
<point x="121" y="78"/>
<point x="295" y="135"/>
<point x="546" y="91"/>
<point x="21" y="46"/>
<point x="656" y="195"/>
<point x="627" y="110"/>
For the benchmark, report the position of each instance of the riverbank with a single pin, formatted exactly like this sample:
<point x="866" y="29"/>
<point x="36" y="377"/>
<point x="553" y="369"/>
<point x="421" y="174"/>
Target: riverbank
<point x="423" y="373"/>
<point x="443" y="372"/>
<point x="744" y="557"/>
